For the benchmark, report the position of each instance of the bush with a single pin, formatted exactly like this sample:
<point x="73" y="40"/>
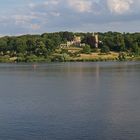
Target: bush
<point x="86" y="49"/>
<point x="122" y="56"/>
<point x="64" y="51"/>
<point x="61" y="58"/>
<point x="105" y="49"/>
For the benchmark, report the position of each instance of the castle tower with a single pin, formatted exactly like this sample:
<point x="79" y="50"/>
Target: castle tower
<point x="96" y="39"/>
<point x="77" y="40"/>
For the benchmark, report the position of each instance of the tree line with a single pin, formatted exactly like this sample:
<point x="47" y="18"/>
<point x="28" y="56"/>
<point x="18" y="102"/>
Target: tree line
<point x="45" y="44"/>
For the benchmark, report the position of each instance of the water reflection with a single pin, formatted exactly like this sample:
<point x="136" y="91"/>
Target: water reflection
<point x="70" y="101"/>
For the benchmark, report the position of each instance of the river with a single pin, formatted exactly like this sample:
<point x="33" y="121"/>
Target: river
<point x="70" y="101"/>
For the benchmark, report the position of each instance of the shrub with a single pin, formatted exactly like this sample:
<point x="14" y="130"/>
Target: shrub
<point x="105" y="49"/>
<point x="86" y="49"/>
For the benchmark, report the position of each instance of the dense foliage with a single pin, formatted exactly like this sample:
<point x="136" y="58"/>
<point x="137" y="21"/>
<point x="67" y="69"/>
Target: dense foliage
<point x="121" y="42"/>
<point x="44" y="45"/>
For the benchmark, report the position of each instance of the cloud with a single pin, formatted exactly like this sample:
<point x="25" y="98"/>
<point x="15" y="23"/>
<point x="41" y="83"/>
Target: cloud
<point x="119" y="6"/>
<point x="81" y="5"/>
<point x="44" y="4"/>
<point x="37" y="16"/>
<point x="22" y="19"/>
<point x="35" y="26"/>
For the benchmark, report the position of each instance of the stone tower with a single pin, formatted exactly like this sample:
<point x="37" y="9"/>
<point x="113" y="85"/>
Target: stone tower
<point x="77" y="40"/>
<point x="96" y="39"/>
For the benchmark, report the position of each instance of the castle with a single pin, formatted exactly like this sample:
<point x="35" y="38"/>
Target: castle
<point x="77" y="41"/>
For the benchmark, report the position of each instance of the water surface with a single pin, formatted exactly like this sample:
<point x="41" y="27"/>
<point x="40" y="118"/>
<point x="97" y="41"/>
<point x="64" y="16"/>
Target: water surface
<point x="70" y="101"/>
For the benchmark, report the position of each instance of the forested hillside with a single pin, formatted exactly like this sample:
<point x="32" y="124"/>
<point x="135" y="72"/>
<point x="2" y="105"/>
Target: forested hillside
<point x="43" y="46"/>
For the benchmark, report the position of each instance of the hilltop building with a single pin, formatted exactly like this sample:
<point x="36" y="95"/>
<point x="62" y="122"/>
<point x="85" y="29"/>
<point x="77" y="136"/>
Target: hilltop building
<point x="76" y="42"/>
<point x="93" y="40"/>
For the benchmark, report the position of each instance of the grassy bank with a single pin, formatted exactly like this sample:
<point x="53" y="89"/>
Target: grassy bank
<point x="74" y="56"/>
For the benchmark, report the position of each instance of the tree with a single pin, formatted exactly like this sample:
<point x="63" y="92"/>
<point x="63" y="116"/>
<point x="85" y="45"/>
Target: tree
<point x="86" y="49"/>
<point x="136" y="49"/>
<point x="40" y="48"/>
<point x="89" y="39"/>
<point x="11" y="43"/>
<point x="119" y="43"/>
<point x="68" y="36"/>
<point x="20" y="45"/>
<point x="109" y="41"/>
<point x="31" y="45"/>
<point x="50" y="45"/>
<point x="3" y="45"/>
<point x="105" y="49"/>
<point x="128" y="41"/>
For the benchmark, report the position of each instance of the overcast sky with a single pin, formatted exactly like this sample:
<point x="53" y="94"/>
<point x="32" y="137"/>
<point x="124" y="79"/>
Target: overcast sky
<point x="39" y="16"/>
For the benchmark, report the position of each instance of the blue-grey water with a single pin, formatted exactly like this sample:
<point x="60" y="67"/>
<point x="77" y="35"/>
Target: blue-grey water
<point x="70" y="101"/>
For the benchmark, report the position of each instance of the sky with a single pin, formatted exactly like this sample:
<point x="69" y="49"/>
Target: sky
<point x="39" y="16"/>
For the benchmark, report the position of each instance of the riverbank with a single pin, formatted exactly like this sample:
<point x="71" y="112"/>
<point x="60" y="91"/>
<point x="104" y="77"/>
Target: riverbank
<point x="92" y="57"/>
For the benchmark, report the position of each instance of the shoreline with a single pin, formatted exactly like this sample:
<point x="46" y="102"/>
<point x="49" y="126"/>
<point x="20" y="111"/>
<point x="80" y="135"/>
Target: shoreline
<point x="46" y="60"/>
